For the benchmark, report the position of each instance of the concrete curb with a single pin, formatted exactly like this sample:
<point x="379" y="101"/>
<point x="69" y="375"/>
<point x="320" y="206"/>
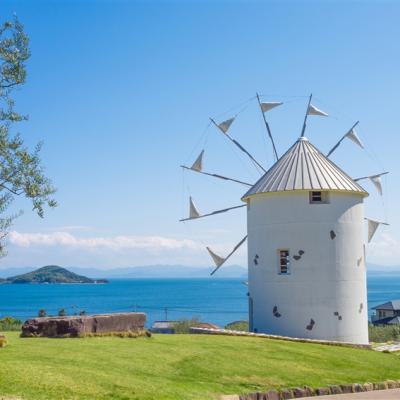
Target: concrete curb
<point x="209" y="331"/>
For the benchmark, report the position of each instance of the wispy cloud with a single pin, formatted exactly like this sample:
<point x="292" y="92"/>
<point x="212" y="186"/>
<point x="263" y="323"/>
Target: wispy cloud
<point x="66" y="239"/>
<point x="385" y="250"/>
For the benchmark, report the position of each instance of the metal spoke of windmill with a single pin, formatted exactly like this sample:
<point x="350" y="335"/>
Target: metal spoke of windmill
<point x="264" y="107"/>
<point x="224" y="127"/>
<point x="197" y="166"/>
<point x="351" y="134"/>
<point x="375" y="179"/>
<point x="218" y="260"/>
<point x="195" y="214"/>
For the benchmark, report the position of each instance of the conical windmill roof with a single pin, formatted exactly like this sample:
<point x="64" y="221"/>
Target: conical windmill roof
<point x="304" y="167"/>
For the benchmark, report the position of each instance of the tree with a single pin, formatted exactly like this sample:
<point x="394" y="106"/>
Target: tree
<point x="21" y="170"/>
<point x="61" y="313"/>
<point x="42" y="313"/>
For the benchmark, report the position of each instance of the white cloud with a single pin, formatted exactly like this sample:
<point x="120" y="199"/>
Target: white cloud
<point x="384" y="250"/>
<point x="66" y="239"/>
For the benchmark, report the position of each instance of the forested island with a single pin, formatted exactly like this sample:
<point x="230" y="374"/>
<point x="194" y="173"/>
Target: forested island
<point x="51" y="274"/>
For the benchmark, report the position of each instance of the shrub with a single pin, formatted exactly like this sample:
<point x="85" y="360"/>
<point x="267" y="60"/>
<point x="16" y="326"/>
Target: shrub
<point x="42" y="313"/>
<point x="10" y="324"/>
<point x="61" y="313"/>
<point x="238" y="326"/>
<point x="384" y="333"/>
<point x="183" y="325"/>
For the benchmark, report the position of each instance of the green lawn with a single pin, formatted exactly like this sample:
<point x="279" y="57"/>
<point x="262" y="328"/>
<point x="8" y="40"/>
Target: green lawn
<point x="177" y="366"/>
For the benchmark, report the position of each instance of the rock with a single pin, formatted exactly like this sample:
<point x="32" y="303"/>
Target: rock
<point x="347" y="388"/>
<point x="272" y="395"/>
<point x="299" y="392"/>
<point x="309" y="391"/>
<point x="322" y="391"/>
<point x="380" y="386"/>
<point x="358" y="388"/>
<point x="286" y="394"/>
<point x="335" y="389"/>
<point x="81" y="325"/>
<point x="391" y="384"/>
<point x="368" y="387"/>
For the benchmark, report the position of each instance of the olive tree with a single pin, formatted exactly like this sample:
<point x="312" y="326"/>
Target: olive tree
<point x="21" y="169"/>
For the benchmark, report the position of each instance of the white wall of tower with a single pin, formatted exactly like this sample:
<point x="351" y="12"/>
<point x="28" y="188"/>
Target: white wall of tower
<point x="327" y="284"/>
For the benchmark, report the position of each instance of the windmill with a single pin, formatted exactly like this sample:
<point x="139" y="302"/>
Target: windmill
<point x="306" y="252"/>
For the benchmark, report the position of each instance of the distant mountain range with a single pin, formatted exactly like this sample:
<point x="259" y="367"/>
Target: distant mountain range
<point x="151" y="271"/>
<point x="171" y="271"/>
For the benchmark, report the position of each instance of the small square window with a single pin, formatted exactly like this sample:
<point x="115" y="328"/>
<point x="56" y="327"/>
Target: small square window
<point x="284" y="262"/>
<point x="318" y="197"/>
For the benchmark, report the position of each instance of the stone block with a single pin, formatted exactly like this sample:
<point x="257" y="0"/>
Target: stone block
<point x="286" y="394"/>
<point x="349" y="388"/>
<point x="309" y="390"/>
<point x="368" y="387"/>
<point x="299" y="392"/>
<point x="272" y="395"/>
<point x="358" y="388"/>
<point x="380" y="386"/>
<point x="391" y="384"/>
<point x="322" y="391"/>
<point x="335" y="389"/>
<point x="80" y="325"/>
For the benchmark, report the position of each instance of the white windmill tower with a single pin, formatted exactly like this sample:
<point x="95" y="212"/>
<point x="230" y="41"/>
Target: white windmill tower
<point x="306" y="253"/>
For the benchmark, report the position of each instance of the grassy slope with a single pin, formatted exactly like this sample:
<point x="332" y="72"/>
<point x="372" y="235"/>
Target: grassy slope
<point x="177" y="366"/>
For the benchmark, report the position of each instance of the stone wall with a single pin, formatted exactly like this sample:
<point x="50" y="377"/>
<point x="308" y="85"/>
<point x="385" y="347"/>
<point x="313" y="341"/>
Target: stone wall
<point x="81" y="325"/>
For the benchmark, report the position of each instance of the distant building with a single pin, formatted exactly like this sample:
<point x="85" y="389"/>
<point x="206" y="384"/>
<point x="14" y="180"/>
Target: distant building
<point x="163" y="327"/>
<point x="387" y="313"/>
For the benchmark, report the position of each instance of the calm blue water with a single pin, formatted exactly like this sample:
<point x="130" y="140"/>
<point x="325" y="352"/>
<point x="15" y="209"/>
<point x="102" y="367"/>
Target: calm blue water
<point x="214" y="300"/>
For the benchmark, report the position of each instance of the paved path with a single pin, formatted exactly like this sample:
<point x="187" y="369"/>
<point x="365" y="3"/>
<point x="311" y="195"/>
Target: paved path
<point x="373" y="395"/>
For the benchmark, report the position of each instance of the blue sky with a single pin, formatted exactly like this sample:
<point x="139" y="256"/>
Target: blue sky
<point x="121" y="91"/>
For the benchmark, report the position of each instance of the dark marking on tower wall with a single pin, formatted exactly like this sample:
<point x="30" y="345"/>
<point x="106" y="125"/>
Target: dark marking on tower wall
<point x="275" y="312"/>
<point x="332" y="234"/>
<point x="310" y="326"/>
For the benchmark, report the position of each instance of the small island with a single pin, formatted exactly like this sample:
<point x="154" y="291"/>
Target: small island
<point x="51" y="274"/>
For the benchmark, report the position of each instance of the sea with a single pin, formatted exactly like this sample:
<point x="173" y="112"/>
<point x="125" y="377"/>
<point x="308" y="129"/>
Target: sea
<point x="218" y="301"/>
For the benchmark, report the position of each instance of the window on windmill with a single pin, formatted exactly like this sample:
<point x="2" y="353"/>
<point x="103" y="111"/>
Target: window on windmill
<point x="318" y="197"/>
<point x="284" y="263"/>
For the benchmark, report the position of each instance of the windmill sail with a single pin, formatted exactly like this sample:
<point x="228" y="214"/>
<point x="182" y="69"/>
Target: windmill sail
<point x="198" y="164"/>
<point x="225" y="178"/>
<point x="218" y="260"/>
<point x="225" y="125"/>
<point x="266" y="106"/>
<point x="212" y="213"/>
<point x="193" y="211"/>
<point x="372" y="227"/>
<point x="312" y="110"/>
<point x="352" y="135"/>
<point x="376" y="181"/>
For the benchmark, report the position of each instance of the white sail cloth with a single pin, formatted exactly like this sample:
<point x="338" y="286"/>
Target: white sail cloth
<point x="312" y="110"/>
<point x="218" y="260"/>
<point x="352" y="135"/>
<point x="198" y="164"/>
<point x="193" y="211"/>
<point x="372" y="227"/>
<point x="376" y="180"/>
<point x="266" y="106"/>
<point x="225" y="125"/>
